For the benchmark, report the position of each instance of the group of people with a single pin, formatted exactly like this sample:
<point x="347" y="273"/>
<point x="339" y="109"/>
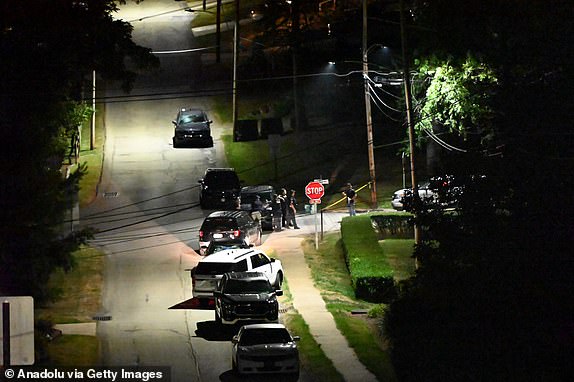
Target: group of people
<point x="284" y="208"/>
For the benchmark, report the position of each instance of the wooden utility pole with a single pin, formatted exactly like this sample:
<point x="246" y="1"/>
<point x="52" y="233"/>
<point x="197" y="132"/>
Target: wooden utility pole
<point x="370" y="146"/>
<point x="408" y="101"/>
<point x="235" y="54"/>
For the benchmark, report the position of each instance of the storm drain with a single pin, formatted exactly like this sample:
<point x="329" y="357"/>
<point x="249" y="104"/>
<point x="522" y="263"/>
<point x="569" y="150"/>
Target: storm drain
<point x="110" y="195"/>
<point x="102" y="317"/>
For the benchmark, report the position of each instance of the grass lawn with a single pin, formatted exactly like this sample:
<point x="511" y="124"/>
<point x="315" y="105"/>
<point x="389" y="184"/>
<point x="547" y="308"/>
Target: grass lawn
<point x="398" y="253"/>
<point x="79" y="296"/>
<point x="78" y="291"/>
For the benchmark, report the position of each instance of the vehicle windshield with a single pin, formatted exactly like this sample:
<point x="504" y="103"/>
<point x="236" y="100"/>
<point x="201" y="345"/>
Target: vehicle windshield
<point x="208" y="268"/>
<point x="248" y="286"/>
<point x="192" y="118"/>
<point x="222" y="180"/>
<point x="219" y="224"/>
<point x="248" y="197"/>
<point x="224" y="246"/>
<point x="264" y="336"/>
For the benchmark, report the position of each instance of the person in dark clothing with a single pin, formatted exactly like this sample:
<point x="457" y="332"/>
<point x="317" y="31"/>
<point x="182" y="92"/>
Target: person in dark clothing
<point x="292" y="210"/>
<point x="277" y="213"/>
<point x="284" y="205"/>
<point x="256" y="208"/>
<point x="351" y="196"/>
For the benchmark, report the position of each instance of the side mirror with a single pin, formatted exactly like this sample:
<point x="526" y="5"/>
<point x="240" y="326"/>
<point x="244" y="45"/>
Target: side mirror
<point x="216" y="293"/>
<point x="296" y="338"/>
<point x="279" y="292"/>
<point x="174" y="123"/>
<point x="235" y="339"/>
<point x="200" y="181"/>
<point x="272" y="259"/>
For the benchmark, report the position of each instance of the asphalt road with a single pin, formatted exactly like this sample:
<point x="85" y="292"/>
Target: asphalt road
<point x="148" y="217"/>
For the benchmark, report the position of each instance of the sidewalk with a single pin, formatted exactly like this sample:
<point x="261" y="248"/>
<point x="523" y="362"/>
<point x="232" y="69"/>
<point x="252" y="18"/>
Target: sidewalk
<point x="307" y="299"/>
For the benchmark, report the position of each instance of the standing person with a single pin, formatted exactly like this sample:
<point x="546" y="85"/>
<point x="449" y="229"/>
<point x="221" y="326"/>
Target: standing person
<point x="256" y="208"/>
<point x="277" y="213"/>
<point x="292" y="210"/>
<point x="351" y="196"/>
<point x="283" y="199"/>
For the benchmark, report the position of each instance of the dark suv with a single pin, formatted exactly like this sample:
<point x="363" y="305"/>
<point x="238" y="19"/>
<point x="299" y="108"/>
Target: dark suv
<point x="220" y="188"/>
<point x="265" y="193"/>
<point x="229" y="224"/>
<point x="246" y="296"/>
<point x="192" y="127"/>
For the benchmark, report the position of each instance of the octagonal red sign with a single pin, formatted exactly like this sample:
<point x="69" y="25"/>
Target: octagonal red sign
<point x="314" y="190"/>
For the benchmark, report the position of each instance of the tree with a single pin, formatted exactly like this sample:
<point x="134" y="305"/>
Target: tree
<point x="48" y="47"/>
<point x="491" y="300"/>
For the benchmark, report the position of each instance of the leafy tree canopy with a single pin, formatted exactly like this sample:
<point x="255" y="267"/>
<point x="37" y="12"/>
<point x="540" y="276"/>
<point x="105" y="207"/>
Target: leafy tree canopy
<point x="48" y="49"/>
<point x="491" y="299"/>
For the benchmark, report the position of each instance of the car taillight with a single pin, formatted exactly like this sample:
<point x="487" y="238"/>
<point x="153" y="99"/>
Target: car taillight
<point x="200" y="235"/>
<point x="236" y="233"/>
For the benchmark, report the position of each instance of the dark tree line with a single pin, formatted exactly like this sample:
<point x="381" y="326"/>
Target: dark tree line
<point x="48" y="48"/>
<point x="492" y="298"/>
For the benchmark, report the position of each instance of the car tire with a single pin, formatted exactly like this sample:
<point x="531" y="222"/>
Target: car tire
<point x="175" y="144"/>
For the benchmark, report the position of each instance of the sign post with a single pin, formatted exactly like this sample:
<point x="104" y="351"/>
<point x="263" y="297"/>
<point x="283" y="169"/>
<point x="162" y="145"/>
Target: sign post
<point x="315" y="191"/>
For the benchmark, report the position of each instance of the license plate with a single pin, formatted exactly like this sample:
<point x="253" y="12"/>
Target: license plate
<point x="217" y="235"/>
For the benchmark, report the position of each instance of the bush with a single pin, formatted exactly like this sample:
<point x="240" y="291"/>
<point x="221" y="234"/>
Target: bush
<point x="371" y="275"/>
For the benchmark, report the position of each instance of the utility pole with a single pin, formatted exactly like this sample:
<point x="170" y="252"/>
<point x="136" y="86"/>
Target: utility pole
<point x="93" y="120"/>
<point x="408" y="101"/>
<point x="370" y="147"/>
<point x="218" y="32"/>
<point x="235" y="53"/>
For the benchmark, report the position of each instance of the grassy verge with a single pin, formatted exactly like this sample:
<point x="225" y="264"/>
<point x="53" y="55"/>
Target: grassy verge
<point x="312" y="358"/>
<point x="73" y="351"/>
<point x="78" y="299"/>
<point x="78" y="291"/>
<point x="331" y="276"/>
<point x="92" y="158"/>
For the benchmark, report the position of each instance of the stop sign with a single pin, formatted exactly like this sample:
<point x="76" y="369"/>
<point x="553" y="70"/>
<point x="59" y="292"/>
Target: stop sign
<point x="314" y="190"/>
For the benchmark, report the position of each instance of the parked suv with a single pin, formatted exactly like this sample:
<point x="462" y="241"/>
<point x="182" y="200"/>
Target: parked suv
<point x="220" y="188"/>
<point x="265" y="193"/>
<point x="211" y="268"/>
<point x="246" y="296"/>
<point x="192" y="127"/>
<point x="229" y="224"/>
